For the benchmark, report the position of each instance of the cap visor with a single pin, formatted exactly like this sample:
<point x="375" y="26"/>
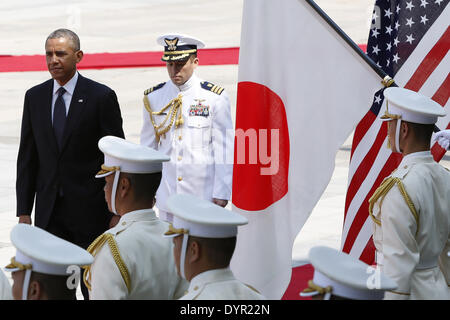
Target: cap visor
<point x="103" y="173"/>
<point x="170" y="234"/>
<point x="385" y="118"/>
<point x="6" y="269"/>
<point x="308" y="294"/>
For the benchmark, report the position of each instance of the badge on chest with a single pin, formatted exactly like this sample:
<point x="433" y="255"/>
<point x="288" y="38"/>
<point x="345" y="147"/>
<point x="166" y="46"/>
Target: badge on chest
<point x="199" y="109"/>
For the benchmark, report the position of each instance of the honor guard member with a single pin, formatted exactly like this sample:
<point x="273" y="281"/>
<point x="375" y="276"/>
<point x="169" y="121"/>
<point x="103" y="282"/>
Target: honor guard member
<point x="204" y="237"/>
<point x="5" y="287"/>
<point x="411" y="208"/>
<point x="339" y="276"/>
<point x="189" y="120"/>
<point x="45" y="267"/>
<point x="133" y="260"/>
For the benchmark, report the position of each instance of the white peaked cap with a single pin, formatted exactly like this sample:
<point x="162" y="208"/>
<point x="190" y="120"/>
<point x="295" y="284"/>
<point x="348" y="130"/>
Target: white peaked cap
<point x="411" y="106"/>
<point x="183" y="40"/>
<point x="346" y="276"/>
<point x="41" y="251"/>
<point x="125" y="156"/>
<point x="201" y="218"/>
<point x="178" y="47"/>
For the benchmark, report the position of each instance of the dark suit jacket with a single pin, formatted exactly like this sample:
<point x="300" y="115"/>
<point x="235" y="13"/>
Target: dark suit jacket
<point x="42" y="169"/>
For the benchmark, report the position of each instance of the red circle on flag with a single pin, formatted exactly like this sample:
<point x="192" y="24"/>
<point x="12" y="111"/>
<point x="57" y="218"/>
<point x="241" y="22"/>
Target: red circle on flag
<point x="261" y="149"/>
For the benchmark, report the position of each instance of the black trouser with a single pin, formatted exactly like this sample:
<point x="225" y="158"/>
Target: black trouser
<point x="59" y="225"/>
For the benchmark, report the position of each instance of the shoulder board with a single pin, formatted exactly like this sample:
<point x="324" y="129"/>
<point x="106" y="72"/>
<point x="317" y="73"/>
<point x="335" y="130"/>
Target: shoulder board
<point x="401" y="172"/>
<point x="159" y="86"/>
<point x="211" y="87"/>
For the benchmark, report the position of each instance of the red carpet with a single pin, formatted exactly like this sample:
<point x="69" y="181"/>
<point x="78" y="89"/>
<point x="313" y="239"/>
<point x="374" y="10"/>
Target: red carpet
<point x="299" y="281"/>
<point x="219" y="56"/>
<point x="214" y="56"/>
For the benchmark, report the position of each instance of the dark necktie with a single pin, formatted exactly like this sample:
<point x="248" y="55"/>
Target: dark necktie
<point x="59" y="116"/>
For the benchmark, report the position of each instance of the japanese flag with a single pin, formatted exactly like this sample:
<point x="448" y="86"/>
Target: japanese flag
<point x="301" y="91"/>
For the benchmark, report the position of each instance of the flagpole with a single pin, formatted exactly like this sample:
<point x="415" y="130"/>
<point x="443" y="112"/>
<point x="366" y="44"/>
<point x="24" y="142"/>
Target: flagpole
<point x="354" y="46"/>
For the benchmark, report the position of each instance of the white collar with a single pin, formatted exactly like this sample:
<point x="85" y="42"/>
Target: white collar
<point x="415" y="157"/>
<point x="212" y="276"/>
<point x="69" y="86"/>
<point x="138" y="215"/>
<point x="188" y="84"/>
<point x="418" y="154"/>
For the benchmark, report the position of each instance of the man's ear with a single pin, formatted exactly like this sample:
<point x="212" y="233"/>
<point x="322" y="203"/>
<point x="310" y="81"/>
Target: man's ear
<point x="194" y="250"/>
<point x="124" y="187"/>
<point x="35" y="291"/>
<point x="80" y="56"/>
<point x="404" y="129"/>
<point x="195" y="62"/>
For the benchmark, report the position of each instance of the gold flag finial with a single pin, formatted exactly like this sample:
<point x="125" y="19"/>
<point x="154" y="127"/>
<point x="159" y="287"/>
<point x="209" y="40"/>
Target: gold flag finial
<point x="387" y="81"/>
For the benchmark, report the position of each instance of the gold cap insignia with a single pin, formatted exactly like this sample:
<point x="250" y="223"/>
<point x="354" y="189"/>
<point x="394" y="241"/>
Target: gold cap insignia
<point x="172" y="44"/>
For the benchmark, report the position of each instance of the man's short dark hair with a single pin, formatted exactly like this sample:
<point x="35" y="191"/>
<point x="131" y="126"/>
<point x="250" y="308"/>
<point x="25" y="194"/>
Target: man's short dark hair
<point x="54" y="286"/>
<point x="144" y="185"/>
<point x="422" y="132"/>
<point x="218" y="250"/>
<point x="68" y="34"/>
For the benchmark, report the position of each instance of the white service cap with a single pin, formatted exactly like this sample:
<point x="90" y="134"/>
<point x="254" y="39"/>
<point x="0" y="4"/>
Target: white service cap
<point x="202" y="218"/>
<point x="178" y="46"/>
<point x="126" y="156"/>
<point x="40" y="251"/>
<point x="411" y="106"/>
<point x="342" y="275"/>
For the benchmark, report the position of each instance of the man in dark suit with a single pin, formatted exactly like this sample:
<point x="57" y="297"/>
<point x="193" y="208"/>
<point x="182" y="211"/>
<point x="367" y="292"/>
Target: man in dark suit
<point x="63" y="120"/>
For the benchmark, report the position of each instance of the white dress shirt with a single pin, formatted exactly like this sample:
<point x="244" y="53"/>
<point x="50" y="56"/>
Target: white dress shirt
<point x="67" y="96"/>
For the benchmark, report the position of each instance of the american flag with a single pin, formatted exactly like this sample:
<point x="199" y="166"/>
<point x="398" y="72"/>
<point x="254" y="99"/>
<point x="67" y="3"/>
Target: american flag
<point x="410" y="41"/>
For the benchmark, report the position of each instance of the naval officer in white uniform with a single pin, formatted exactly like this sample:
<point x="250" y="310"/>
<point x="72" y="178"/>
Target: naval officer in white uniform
<point x="189" y="120"/>
<point x="132" y="260"/>
<point x="204" y="236"/>
<point x="411" y="208"/>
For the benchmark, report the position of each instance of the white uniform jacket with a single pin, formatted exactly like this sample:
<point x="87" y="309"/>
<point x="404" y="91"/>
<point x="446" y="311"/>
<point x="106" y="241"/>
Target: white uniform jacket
<point x="201" y="149"/>
<point x="5" y="287"/>
<point x="147" y="258"/>
<point x="219" y="284"/>
<point x="412" y="236"/>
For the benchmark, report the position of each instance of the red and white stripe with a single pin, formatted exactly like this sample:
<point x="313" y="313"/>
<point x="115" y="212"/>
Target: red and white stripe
<point x="426" y="71"/>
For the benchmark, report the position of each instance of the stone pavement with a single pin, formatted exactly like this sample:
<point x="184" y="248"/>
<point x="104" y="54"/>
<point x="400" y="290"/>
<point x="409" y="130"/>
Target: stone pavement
<point x="133" y="25"/>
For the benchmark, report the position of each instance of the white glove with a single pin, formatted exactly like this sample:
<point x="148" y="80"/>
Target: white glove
<point x="443" y="138"/>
